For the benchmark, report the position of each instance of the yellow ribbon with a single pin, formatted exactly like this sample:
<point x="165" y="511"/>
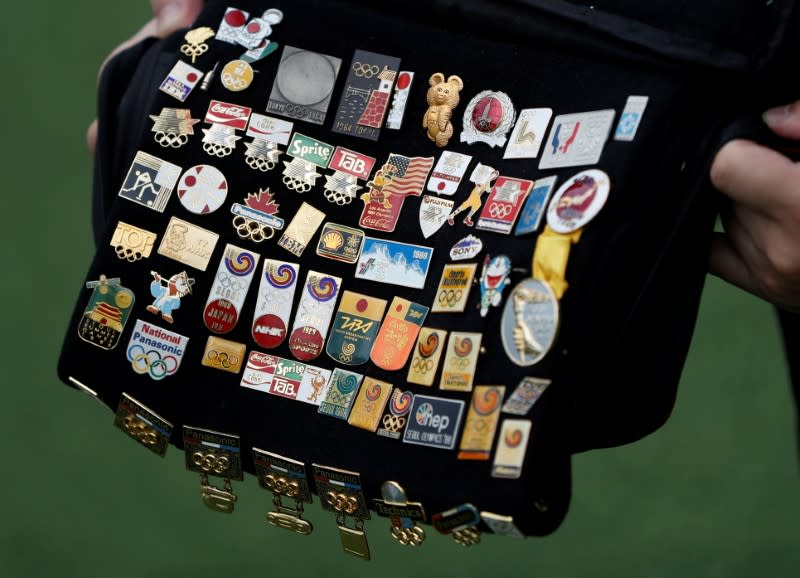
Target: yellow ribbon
<point x="551" y="256"/>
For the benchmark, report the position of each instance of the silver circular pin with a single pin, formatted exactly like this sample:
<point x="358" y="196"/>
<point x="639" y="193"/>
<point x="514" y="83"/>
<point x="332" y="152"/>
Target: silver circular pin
<point x="530" y="322"/>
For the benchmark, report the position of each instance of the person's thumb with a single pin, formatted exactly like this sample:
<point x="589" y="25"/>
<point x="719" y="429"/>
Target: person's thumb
<point x="171" y="15"/>
<point x="784" y="120"/>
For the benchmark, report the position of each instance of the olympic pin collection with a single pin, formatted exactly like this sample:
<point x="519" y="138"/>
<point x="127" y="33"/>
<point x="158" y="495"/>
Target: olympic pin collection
<point x="354" y="337"/>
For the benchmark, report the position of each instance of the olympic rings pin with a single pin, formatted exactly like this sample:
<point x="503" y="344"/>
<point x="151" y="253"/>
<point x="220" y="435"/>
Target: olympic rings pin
<point x="154" y="351"/>
<point x="224" y="355"/>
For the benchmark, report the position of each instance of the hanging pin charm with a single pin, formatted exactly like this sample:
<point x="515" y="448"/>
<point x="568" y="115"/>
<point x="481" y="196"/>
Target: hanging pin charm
<point x="285" y="478"/>
<point x="211" y="453"/>
<point x="403" y="514"/>
<point x="195" y="42"/>
<point x="341" y="492"/>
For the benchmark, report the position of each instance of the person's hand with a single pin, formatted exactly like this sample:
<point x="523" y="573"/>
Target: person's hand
<point x="168" y="16"/>
<point x="760" y="248"/>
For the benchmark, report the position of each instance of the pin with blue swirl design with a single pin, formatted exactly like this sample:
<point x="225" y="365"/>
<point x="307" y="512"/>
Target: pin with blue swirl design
<point x="314" y="314"/>
<point x="274" y="304"/>
<point x="225" y="301"/>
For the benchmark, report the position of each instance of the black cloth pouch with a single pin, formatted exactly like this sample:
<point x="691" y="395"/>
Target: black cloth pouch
<point x="635" y="276"/>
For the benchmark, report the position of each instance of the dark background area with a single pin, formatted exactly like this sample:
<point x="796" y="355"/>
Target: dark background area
<point x="716" y="492"/>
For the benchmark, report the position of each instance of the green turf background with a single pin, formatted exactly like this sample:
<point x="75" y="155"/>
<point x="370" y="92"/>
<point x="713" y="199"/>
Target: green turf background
<point x="715" y="493"/>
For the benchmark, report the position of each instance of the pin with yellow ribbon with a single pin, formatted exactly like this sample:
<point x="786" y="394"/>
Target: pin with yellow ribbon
<point x="531" y="314"/>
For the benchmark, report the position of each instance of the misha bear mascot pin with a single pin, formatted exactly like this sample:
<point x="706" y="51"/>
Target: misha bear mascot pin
<point x="442" y="99"/>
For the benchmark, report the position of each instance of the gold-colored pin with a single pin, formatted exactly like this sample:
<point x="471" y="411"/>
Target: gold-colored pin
<point x="403" y="514"/>
<point x="195" y="42"/>
<point x="211" y="453"/>
<point x="285" y="478"/>
<point x="341" y="492"/>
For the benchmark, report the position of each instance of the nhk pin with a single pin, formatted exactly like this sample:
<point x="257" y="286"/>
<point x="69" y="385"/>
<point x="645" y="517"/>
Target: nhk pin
<point x="448" y="172"/>
<point x="107" y="312"/>
<point x="237" y="75"/>
<point x="402" y="88"/>
<point x="154" y="351"/>
<point x="143" y="425"/>
<point x="400" y="177"/>
<point x="365" y="98"/>
<point x="483" y="176"/>
<point x="256" y="220"/>
<point x="225" y="119"/>
<point x="168" y="293"/>
<point x="403" y="514"/>
<point x="481" y="422"/>
<point x="285" y="478"/>
<point x="530" y="322"/>
<point x="202" y="189"/>
<point x="196" y="42"/>
<point x="442" y="98"/>
<point x="274" y="304"/>
<point x="211" y="453"/>
<point x="342" y="186"/>
<point x="342" y="492"/>
<point x="488" y="118"/>
<point x="460" y="522"/>
<point x="577" y="139"/>
<point x="181" y="80"/>
<point x="313" y="317"/>
<point x="150" y="181"/>
<point x="494" y="278"/>
<point x="230" y="287"/>
<point x="307" y="154"/>
<point x="578" y="201"/>
<point x="267" y="132"/>
<point x="132" y="243"/>
<point x="427" y="354"/>
<point x="173" y="127"/>
<point x="303" y="85"/>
